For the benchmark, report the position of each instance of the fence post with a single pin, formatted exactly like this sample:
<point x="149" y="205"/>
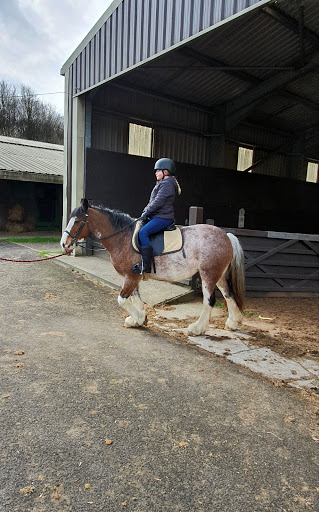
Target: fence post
<point x="196" y="215"/>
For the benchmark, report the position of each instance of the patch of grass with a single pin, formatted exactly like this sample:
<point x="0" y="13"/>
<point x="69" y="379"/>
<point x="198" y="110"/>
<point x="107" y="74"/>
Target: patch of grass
<point x="31" y="240"/>
<point x="44" y="254"/>
<point x="249" y="313"/>
<point x="218" y="304"/>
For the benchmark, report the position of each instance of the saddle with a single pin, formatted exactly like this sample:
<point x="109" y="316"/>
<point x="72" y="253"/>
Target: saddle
<point x="164" y="242"/>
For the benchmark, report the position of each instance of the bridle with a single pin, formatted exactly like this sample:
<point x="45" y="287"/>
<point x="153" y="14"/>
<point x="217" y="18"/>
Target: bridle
<point x="79" y="231"/>
<point x="86" y="221"/>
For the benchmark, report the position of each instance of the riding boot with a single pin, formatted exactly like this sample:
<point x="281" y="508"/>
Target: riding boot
<point x="147" y="255"/>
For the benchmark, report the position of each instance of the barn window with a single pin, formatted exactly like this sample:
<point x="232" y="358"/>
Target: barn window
<point x="245" y="158"/>
<point x="140" y="140"/>
<point x="312" y="172"/>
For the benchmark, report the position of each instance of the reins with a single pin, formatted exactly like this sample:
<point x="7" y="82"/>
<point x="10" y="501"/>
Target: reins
<point x="119" y="230"/>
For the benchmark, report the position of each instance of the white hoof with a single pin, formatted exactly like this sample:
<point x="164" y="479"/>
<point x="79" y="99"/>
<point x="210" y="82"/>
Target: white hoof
<point x="195" y="329"/>
<point x="232" y="325"/>
<point x="129" y="322"/>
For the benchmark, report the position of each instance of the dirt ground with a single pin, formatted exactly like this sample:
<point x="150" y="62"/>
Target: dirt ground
<point x="293" y="328"/>
<point x="288" y="326"/>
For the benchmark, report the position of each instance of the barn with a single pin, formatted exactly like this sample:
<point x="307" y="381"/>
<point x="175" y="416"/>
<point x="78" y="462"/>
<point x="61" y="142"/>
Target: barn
<point x="226" y="88"/>
<point x="31" y="180"/>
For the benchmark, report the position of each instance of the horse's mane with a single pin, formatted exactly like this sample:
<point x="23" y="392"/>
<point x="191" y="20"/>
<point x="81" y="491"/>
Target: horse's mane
<point x="117" y="219"/>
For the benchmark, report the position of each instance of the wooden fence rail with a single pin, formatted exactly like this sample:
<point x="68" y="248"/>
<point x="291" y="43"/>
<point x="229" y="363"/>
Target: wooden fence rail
<point x="280" y="264"/>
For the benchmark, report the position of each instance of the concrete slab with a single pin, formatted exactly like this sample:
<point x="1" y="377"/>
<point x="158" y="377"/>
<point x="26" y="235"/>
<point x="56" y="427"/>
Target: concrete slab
<point x="308" y="384"/>
<point x="222" y="348"/>
<point x="191" y="309"/>
<point x="94" y="268"/>
<point x="311" y="366"/>
<point x="159" y="292"/>
<point x="180" y="311"/>
<point x="267" y="362"/>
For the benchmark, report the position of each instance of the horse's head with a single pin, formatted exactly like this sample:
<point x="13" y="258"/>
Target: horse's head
<point x="78" y="226"/>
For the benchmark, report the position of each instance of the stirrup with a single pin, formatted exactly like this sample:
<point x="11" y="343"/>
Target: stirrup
<point x="137" y="269"/>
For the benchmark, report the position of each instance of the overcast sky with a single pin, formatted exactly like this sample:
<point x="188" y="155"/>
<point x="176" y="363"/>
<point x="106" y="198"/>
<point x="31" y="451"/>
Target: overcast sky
<point x="38" y="36"/>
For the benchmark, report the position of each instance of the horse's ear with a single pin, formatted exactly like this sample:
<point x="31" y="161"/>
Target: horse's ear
<point x="84" y="204"/>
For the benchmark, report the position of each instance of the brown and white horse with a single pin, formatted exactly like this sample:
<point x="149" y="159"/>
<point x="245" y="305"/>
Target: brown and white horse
<point x="217" y="256"/>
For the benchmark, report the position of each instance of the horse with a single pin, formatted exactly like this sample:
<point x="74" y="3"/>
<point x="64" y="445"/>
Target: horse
<point x="207" y="249"/>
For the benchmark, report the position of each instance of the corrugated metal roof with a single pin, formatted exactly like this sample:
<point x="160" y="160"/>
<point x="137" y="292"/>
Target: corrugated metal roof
<point x="32" y="157"/>
<point x="132" y="31"/>
<point x="250" y="43"/>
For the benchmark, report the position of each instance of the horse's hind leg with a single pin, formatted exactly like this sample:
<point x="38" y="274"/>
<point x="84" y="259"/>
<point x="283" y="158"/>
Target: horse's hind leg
<point x="202" y="323"/>
<point x="234" y="315"/>
<point x="129" y="299"/>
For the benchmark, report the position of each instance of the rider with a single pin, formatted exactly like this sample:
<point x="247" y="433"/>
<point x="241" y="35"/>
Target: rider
<point x="158" y="214"/>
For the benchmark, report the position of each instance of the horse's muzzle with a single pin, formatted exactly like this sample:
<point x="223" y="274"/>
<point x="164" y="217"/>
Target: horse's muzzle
<point x="68" y="247"/>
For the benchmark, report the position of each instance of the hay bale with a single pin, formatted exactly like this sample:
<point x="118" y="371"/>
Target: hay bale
<point x="16" y="213"/>
<point x="14" y="227"/>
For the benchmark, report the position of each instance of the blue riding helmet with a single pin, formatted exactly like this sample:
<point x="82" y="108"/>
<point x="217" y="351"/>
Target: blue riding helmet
<point x="165" y="163"/>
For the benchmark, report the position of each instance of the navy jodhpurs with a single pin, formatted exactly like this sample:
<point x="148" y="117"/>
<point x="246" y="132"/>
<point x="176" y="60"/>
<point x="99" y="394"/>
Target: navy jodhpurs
<point x="153" y="226"/>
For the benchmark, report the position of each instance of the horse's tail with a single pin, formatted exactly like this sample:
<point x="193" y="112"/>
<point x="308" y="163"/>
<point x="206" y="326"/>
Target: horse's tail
<point x="236" y="272"/>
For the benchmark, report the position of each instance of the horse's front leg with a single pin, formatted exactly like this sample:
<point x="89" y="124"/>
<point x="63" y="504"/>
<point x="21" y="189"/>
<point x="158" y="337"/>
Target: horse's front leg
<point x="129" y="299"/>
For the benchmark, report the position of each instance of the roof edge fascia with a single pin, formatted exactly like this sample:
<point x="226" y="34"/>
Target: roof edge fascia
<point x="31" y="144"/>
<point x="108" y="13"/>
<point x="30" y="176"/>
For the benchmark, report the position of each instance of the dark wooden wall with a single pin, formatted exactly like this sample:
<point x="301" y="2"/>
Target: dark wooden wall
<point x="280" y="264"/>
<point x="124" y="182"/>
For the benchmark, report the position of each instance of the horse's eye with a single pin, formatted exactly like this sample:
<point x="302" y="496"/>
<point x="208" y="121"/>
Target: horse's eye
<point x="76" y="221"/>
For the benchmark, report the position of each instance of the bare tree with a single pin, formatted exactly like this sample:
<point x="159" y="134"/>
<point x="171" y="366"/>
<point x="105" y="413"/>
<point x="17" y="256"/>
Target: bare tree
<point x="23" y="115"/>
<point x="8" y="109"/>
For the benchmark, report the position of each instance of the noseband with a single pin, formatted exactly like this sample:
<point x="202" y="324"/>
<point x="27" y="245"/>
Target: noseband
<point x="79" y="231"/>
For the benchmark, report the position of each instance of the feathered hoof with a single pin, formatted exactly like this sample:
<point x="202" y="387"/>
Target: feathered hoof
<point x="195" y="329"/>
<point x="232" y="325"/>
<point x="129" y="322"/>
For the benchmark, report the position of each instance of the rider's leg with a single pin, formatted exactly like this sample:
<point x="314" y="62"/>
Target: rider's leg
<point x="153" y="226"/>
<point x="147" y="257"/>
